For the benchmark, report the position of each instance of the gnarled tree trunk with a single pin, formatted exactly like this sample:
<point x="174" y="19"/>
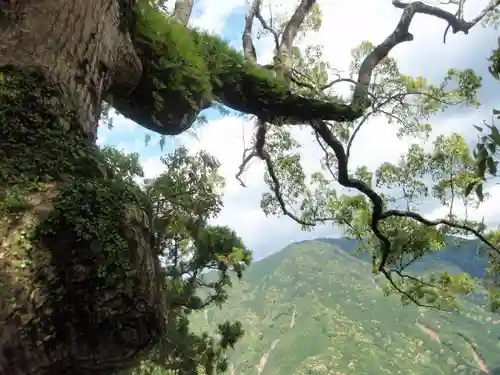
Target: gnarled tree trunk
<point x="79" y="290"/>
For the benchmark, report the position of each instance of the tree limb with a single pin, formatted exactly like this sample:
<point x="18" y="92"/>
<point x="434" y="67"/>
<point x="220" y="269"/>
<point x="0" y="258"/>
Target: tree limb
<point x="456" y="21"/>
<point x="290" y="32"/>
<point x="248" y="46"/>
<point x="182" y="10"/>
<point x="265" y="96"/>
<point x="268" y="27"/>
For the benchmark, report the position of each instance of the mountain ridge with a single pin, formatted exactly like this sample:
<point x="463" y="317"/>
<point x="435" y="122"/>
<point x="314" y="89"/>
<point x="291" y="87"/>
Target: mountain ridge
<point x="315" y="309"/>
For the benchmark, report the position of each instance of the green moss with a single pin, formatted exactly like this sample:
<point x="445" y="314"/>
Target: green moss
<point x="72" y="231"/>
<point x="186" y="66"/>
<point x="42" y="144"/>
<point x="40" y="137"/>
<point x="87" y="228"/>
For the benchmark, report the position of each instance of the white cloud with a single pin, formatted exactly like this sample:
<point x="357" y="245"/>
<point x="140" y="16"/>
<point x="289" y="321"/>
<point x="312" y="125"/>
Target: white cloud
<point x="487" y="211"/>
<point x="152" y="167"/>
<point x="212" y="16"/>
<point x="223" y="138"/>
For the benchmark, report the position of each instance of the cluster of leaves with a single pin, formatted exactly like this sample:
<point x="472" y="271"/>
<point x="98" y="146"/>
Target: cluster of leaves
<point x="486" y="152"/>
<point x="184" y="198"/>
<point x="194" y="66"/>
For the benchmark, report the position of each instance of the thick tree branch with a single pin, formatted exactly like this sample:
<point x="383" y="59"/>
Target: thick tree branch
<point x="456" y="21"/>
<point x="265" y="96"/>
<point x="248" y="46"/>
<point x="182" y="10"/>
<point x="290" y="32"/>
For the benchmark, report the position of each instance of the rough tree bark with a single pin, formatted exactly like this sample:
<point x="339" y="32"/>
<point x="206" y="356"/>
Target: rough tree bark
<point x="79" y="291"/>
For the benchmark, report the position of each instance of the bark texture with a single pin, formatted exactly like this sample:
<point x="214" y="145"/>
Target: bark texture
<point x="79" y="288"/>
<point x="78" y="43"/>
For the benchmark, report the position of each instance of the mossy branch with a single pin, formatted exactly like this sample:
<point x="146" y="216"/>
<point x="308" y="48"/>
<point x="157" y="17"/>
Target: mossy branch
<point x="186" y="70"/>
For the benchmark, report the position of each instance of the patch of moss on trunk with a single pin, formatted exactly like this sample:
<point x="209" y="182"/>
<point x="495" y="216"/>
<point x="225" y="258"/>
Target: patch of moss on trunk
<point x="79" y="284"/>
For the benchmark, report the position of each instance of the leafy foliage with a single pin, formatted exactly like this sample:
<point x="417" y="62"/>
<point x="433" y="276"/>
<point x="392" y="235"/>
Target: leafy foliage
<point x="183" y="199"/>
<point x="382" y="215"/>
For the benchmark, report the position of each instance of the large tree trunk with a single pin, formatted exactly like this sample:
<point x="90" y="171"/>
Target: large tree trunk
<point x="79" y="291"/>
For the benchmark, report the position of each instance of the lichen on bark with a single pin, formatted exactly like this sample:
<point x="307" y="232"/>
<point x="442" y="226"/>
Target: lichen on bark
<point x="79" y="286"/>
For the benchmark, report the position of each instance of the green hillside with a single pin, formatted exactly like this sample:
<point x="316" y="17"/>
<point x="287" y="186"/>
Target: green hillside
<point x="315" y="309"/>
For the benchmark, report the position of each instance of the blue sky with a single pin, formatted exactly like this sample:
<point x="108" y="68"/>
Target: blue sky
<point x="345" y="25"/>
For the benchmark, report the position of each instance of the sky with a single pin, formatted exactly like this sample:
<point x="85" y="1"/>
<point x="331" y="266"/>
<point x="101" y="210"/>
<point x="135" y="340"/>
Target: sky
<point x="345" y="25"/>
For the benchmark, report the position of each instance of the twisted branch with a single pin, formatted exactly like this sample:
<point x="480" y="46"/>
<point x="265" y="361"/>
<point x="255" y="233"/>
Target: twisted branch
<point x="360" y="102"/>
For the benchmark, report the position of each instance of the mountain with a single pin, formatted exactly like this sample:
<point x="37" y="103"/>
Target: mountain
<point x="464" y="255"/>
<point x="314" y="309"/>
<point x="460" y="255"/>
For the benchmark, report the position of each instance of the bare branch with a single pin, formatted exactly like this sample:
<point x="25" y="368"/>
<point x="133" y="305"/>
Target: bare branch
<point x="182" y="10"/>
<point x="312" y="87"/>
<point x="355" y="132"/>
<point x="282" y="49"/>
<point x="327" y="157"/>
<point x="246" y="159"/>
<point x="433" y="223"/>
<point x="248" y="46"/>
<point x="277" y="192"/>
<point x="290" y="32"/>
<point x="259" y="151"/>
<point x="456" y="21"/>
<point x="268" y="27"/>
<point x="388" y="276"/>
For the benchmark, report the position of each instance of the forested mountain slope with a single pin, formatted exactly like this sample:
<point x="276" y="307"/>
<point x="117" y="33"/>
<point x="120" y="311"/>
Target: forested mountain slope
<point x="313" y="308"/>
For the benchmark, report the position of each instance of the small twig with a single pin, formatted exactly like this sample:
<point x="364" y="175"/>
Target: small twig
<point x="434" y="223"/>
<point x="266" y="26"/>
<point x="405" y="293"/>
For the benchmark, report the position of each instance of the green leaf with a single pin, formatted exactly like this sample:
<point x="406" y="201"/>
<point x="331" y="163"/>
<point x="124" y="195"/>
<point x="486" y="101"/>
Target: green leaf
<point x="479" y="192"/>
<point x="492" y="166"/>
<point x="481" y="168"/>
<point x="469" y="188"/>
<point x="495" y="135"/>
<point x="492" y="147"/>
